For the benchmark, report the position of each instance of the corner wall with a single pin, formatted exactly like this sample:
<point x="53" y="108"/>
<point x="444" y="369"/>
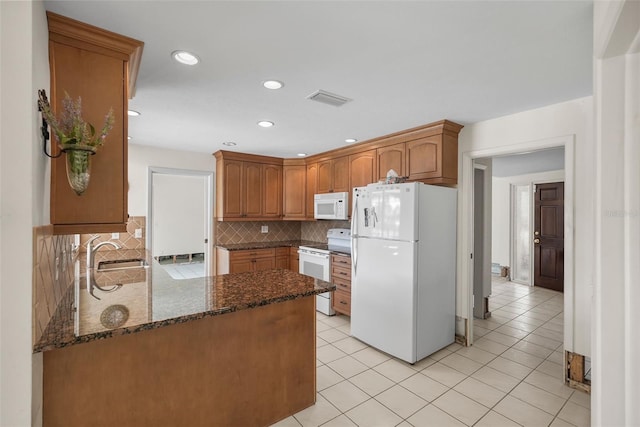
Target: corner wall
<point x="616" y="348"/>
<point x="24" y="66"/>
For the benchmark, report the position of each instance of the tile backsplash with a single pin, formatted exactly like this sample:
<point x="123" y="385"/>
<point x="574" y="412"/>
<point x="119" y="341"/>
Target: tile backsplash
<point x="317" y="230"/>
<point x="231" y="232"/>
<point x="246" y="232"/>
<point x="126" y="240"/>
<point x="53" y="258"/>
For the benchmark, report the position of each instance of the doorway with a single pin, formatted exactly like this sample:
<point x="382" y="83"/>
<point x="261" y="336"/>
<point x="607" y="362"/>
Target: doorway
<point x="467" y="245"/>
<point x="180" y="225"/>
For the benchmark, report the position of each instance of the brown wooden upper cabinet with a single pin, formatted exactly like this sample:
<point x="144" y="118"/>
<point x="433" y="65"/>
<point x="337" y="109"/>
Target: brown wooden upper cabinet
<point x="248" y="187"/>
<point x="312" y="188"/>
<point x="294" y="191"/>
<point x="333" y="175"/>
<point x="391" y="157"/>
<point x="433" y="159"/>
<point x="100" y="67"/>
<point x="363" y="167"/>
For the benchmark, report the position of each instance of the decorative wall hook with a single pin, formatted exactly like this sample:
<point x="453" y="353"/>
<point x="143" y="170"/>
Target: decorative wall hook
<point x="42" y="97"/>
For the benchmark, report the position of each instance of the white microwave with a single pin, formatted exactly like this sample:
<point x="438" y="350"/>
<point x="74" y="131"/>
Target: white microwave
<point x="331" y="206"/>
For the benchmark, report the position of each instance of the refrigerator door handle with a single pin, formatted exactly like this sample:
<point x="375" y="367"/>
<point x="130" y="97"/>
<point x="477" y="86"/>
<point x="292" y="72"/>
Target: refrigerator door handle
<point x="354" y="252"/>
<point x="354" y="232"/>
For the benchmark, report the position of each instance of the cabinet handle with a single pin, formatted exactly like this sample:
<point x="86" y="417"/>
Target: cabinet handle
<point x="342" y="302"/>
<point x="342" y="273"/>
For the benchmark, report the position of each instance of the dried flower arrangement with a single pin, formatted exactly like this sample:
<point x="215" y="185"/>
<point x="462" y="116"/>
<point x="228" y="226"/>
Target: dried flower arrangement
<point x="72" y="128"/>
<point x="76" y="137"/>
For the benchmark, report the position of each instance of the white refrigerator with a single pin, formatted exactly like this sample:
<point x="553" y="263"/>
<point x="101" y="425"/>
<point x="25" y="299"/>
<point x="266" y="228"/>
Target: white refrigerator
<point x="403" y="268"/>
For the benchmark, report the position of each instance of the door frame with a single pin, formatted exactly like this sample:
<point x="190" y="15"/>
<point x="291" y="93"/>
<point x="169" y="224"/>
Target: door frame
<point x="209" y="232"/>
<point x="464" y="303"/>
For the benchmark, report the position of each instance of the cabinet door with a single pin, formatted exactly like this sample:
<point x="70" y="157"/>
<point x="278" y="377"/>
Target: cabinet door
<point x="282" y="262"/>
<point x="241" y="266"/>
<point x="423" y="158"/>
<point x="363" y="168"/>
<point x="294" y="178"/>
<point x="252" y="193"/>
<point x="232" y="189"/>
<point x="85" y="62"/>
<point x="294" y="259"/>
<point x="341" y="174"/>
<point x="391" y="157"/>
<point x="312" y="189"/>
<point x="325" y="177"/>
<point x="272" y="191"/>
<point x="265" y="263"/>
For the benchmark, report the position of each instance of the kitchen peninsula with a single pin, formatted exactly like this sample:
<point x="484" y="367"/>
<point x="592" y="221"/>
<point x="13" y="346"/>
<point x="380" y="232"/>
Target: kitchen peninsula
<point x="235" y="349"/>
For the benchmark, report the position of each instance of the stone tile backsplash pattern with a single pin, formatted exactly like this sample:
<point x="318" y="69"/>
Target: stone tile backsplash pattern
<point x="317" y="230"/>
<point x="246" y="232"/>
<point x="127" y="239"/>
<point x="53" y="258"/>
<point x="231" y="232"/>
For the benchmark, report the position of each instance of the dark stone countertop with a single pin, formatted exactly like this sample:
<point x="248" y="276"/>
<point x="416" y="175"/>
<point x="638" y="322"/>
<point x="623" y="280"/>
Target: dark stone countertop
<point x="266" y="245"/>
<point x="153" y="299"/>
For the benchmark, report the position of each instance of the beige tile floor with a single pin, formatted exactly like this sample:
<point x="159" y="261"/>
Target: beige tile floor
<point x="511" y="376"/>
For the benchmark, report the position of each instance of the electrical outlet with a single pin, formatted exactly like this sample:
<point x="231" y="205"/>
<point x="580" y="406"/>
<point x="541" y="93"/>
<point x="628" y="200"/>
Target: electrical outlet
<point x="264" y="229"/>
<point x="115" y="236"/>
<point x="138" y="233"/>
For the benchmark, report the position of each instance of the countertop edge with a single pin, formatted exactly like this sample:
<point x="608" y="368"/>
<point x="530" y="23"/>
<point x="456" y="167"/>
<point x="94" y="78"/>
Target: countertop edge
<point x="47" y="345"/>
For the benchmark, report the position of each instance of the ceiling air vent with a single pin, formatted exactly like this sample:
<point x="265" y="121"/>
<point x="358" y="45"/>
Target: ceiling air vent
<point x="328" y="98"/>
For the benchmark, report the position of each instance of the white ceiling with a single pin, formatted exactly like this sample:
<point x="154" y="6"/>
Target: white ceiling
<point x="404" y="64"/>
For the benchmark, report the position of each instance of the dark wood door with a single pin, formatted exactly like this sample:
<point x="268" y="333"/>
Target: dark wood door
<point x="549" y="236"/>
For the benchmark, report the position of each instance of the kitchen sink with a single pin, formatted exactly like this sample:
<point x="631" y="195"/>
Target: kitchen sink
<point x="122" y="264"/>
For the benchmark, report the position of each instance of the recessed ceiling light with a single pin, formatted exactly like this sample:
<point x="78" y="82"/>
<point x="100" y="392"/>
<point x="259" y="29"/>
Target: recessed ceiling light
<point x="128" y="137"/>
<point x="302" y="154"/>
<point x="229" y="143"/>
<point x="265" y="123"/>
<point x="272" y="84"/>
<point x="350" y="140"/>
<point x="185" y="57"/>
<point x="133" y="113"/>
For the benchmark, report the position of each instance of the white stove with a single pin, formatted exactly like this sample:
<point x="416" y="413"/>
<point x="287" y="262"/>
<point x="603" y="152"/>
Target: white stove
<point x="315" y="261"/>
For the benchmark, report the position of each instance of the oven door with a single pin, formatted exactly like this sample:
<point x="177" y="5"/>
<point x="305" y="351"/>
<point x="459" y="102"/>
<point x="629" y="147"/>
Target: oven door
<point x="317" y="264"/>
<point x="314" y="264"/>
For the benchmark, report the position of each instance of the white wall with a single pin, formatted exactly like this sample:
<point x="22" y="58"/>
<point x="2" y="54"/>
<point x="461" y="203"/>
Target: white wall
<point x="501" y="202"/>
<point x="23" y="203"/>
<point x="573" y="119"/>
<point x="141" y="157"/>
<point x="616" y="372"/>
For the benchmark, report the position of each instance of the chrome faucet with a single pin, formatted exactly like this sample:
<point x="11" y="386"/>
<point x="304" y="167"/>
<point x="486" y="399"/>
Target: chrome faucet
<point x="91" y="250"/>
<point x="91" y="281"/>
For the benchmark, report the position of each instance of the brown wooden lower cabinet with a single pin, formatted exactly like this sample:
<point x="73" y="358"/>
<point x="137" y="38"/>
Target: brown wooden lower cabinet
<point x="282" y="258"/>
<point x="294" y="259"/>
<point x="256" y="259"/>
<point x="253" y="367"/>
<point x="341" y="277"/>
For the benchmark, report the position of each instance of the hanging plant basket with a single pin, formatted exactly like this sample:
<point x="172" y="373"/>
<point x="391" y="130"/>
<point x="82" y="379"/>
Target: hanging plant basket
<point x="78" y="165"/>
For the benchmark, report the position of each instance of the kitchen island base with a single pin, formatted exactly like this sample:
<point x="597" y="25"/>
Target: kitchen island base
<point x="248" y="368"/>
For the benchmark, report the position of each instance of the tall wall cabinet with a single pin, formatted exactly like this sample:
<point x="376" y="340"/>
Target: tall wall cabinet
<point x="248" y="187"/>
<point x="100" y="67"/>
